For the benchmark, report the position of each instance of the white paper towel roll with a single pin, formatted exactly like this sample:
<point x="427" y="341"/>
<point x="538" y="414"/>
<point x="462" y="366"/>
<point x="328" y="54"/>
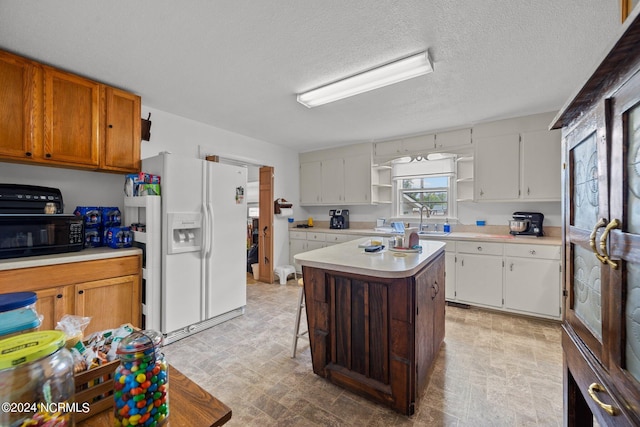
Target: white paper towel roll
<point x="286" y="212"/>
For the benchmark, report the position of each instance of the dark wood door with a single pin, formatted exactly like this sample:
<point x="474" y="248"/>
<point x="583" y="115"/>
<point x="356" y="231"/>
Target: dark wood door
<point x="586" y="213"/>
<point x="265" y="220"/>
<point x="621" y="243"/>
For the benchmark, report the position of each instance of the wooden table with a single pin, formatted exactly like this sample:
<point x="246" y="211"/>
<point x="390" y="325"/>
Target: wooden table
<point x="189" y="405"/>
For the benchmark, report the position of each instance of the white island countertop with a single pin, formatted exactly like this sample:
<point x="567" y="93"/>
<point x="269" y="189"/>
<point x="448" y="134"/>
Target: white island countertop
<point x="348" y="257"/>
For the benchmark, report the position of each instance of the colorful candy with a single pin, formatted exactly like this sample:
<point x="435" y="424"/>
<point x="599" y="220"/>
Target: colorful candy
<point x="141" y="382"/>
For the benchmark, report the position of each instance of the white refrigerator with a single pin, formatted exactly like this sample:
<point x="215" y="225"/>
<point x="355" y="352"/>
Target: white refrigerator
<point x="204" y="245"/>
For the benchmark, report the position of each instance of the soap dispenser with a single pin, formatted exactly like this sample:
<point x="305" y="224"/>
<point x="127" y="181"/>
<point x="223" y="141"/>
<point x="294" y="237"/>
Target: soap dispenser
<point x="447" y="227"/>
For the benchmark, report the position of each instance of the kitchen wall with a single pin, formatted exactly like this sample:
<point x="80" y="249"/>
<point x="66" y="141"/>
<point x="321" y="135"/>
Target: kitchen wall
<point x="468" y="212"/>
<point x="187" y="137"/>
<point x="181" y="136"/>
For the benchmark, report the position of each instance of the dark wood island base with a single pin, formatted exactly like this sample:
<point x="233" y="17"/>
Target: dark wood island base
<point x="377" y="337"/>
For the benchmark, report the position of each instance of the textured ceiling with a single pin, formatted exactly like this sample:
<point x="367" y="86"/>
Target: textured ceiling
<point x="238" y="64"/>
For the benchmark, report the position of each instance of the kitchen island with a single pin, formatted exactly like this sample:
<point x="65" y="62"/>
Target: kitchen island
<point x="376" y="320"/>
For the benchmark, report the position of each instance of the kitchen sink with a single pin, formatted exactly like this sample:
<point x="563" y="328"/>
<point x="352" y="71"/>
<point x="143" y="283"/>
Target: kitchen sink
<point x="433" y="233"/>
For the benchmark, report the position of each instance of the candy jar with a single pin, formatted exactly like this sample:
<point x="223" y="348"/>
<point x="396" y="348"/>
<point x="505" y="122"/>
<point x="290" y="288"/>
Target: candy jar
<point x="141" y="381"/>
<point x="36" y="380"/>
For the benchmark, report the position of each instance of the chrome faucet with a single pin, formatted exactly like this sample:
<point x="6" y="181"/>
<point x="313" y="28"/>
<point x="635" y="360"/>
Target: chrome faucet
<point x="423" y="208"/>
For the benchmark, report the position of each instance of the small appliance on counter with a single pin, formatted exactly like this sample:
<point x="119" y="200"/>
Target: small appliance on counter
<point x="339" y="218"/>
<point x="26" y="227"/>
<point x="526" y="224"/>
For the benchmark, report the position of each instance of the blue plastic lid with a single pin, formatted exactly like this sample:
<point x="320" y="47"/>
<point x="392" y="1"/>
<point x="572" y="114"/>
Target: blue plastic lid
<point x="16" y="300"/>
<point x="18" y="321"/>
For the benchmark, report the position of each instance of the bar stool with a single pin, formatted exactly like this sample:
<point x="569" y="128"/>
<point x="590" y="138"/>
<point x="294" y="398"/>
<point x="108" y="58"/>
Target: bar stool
<point x="296" y="331"/>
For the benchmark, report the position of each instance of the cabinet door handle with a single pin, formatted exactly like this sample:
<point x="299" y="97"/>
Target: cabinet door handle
<point x="603" y="242"/>
<point x="462" y="263"/>
<point x="532" y="251"/>
<point x="593" y="389"/>
<point x="59" y="296"/>
<point x="479" y="248"/>
<point x="48" y="155"/>
<point x="592" y="240"/>
<point x="110" y="126"/>
<point x="528" y="191"/>
<point x="80" y="292"/>
<point x="511" y="267"/>
<point x="28" y="154"/>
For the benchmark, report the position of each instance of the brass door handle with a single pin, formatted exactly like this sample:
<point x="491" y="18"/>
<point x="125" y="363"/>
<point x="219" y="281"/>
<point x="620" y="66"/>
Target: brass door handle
<point x="592" y="240"/>
<point x="614" y="223"/>
<point x="593" y="389"/>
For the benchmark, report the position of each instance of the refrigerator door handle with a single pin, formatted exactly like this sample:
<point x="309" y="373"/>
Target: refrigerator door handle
<point x="210" y="231"/>
<point x="205" y="231"/>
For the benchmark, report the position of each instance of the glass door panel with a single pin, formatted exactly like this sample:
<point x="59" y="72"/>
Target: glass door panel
<point x="584" y="193"/>
<point x="586" y="203"/>
<point x="586" y="290"/>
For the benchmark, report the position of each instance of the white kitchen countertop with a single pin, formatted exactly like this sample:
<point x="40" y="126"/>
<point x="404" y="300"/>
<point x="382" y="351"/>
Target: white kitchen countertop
<point x="89" y="254"/>
<point x="455" y="235"/>
<point x="349" y="258"/>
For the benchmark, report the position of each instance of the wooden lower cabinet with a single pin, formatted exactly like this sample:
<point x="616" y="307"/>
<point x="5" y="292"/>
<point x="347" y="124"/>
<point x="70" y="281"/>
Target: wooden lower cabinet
<point x="52" y="304"/>
<point x="107" y="290"/>
<point x="108" y="302"/>
<point x="374" y="336"/>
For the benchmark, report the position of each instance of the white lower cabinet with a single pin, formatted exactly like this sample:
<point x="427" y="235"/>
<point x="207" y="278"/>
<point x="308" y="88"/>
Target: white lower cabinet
<point x="303" y="241"/>
<point x="520" y="278"/>
<point x="450" y="270"/>
<point x="479" y="270"/>
<point x="532" y="279"/>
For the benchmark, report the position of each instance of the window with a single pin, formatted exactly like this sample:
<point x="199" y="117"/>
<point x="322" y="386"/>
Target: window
<point x="424" y="184"/>
<point x="430" y="192"/>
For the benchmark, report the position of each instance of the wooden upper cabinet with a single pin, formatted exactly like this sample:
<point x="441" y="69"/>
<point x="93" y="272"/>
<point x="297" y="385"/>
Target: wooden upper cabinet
<point x="56" y="118"/>
<point x="19" y="89"/>
<point x="71" y="119"/>
<point x="121" y="148"/>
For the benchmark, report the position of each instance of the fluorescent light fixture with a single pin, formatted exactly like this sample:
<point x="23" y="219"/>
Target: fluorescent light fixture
<point x="385" y="75"/>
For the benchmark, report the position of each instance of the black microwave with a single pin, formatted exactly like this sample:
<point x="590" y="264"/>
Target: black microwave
<point x="29" y="235"/>
<point x="32" y="222"/>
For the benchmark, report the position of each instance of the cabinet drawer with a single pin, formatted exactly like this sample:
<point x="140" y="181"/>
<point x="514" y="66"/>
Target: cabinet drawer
<point x="320" y="237"/>
<point x="298" y="235"/>
<point x="533" y="251"/>
<point x="339" y="238"/>
<point x="484" y="248"/>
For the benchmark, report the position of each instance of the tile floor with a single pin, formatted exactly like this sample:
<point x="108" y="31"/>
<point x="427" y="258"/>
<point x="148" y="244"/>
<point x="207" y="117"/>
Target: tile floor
<point x="493" y="370"/>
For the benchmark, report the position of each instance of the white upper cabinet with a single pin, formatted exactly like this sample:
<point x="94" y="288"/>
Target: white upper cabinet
<point x="540" y="165"/>
<point x="418" y="144"/>
<point x="455" y="138"/>
<point x="310" y="183"/>
<point x="388" y="148"/>
<point x="497" y="167"/>
<point x="357" y="179"/>
<point x="333" y="182"/>
<point x="340" y="176"/>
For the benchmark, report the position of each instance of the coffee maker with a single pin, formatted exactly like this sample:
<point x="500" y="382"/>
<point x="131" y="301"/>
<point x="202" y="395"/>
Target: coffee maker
<point x="526" y="224"/>
<point x="339" y="218"/>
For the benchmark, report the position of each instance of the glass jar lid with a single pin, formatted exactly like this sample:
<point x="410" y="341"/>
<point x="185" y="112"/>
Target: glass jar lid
<point x="140" y="343"/>
<point x="28" y="347"/>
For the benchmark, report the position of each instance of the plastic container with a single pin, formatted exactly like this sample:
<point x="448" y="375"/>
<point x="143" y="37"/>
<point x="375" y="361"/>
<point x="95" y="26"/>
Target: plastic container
<point x="18" y="314"/>
<point x="36" y="376"/>
<point x="446" y="227"/>
<point x="141" y="381"/>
